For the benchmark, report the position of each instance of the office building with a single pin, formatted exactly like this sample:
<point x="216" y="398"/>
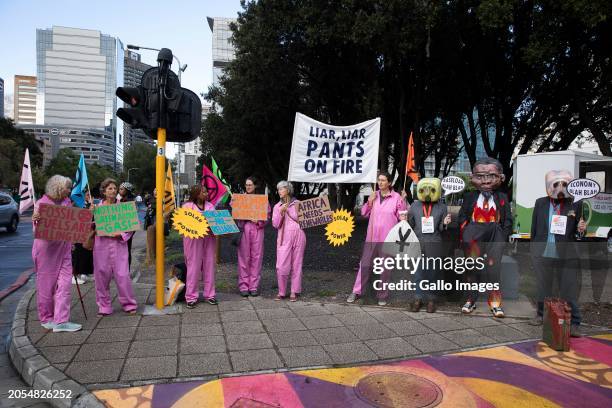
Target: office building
<point x="24" y="99"/>
<point x="1" y="98"/>
<point x="78" y="72"/>
<point x="222" y="47"/>
<point x="132" y="74"/>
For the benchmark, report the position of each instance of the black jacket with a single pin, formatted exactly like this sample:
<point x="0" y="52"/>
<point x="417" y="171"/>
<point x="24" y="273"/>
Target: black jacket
<point x="501" y="203"/>
<point x="539" y="227"/>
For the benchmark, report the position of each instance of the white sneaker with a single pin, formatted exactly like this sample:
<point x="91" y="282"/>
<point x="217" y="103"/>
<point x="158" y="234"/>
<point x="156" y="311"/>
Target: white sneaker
<point x="77" y="280"/>
<point x="382" y="302"/>
<point x="84" y="278"/>
<point x="48" y="325"/>
<point x="468" y="307"/>
<point x="351" y="298"/>
<point x="67" y="327"/>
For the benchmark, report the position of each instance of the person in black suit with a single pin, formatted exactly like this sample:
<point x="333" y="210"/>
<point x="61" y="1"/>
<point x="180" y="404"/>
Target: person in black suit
<point x="554" y="227"/>
<point x="485" y="222"/>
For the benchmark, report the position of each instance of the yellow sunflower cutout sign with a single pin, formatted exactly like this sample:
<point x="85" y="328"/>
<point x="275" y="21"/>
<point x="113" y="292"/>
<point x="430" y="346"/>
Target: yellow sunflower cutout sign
<point x="341" y="228"/>
<point x="189" y="223"/>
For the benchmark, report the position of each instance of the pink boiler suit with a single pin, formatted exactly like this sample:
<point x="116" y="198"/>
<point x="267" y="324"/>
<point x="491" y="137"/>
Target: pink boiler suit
<point x="200" y="260"/>
<point x="383" y="216"/>
<point x="110" y="258"/>
<point x="53" y="267"/>
<point x="290" y="245"/>
<point x="250" y="254"/>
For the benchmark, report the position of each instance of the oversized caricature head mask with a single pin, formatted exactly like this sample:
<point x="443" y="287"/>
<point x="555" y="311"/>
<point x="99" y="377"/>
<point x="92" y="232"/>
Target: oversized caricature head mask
<point x="487" y="174"/>
<point x="429" y="190"/>
<point x="556" y="183"/>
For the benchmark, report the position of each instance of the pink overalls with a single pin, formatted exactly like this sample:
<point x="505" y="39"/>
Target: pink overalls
<point x="250" y="254"/>
<point x="290" y="245"/>
<point x="383" y="216"/>
<point x="200" y="260"/>
<point x="53" y="267"/>
<point x="110" y="258"/>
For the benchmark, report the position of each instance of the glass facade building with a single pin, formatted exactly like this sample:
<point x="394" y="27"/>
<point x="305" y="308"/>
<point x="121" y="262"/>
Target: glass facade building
<point x="24" y="100"/>
<point x="78" y="72"/>
<point x="222" y="47"/>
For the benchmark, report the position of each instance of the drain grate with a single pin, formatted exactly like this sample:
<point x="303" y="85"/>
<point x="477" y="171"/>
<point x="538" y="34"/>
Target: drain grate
<point x="392" y="389"/>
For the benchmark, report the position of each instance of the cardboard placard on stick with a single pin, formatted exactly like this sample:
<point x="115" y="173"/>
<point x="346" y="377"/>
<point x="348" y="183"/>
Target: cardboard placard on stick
<point x="314" y="211"/>
<point x="250" y="207"/>
<point x="61" y="223"/>
<point x="116" y="218"/>
<point x="221" y="222"/>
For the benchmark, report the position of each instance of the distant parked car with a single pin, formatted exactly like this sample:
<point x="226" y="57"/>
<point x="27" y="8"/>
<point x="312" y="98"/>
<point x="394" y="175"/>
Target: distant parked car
<point x="9" y="212"/>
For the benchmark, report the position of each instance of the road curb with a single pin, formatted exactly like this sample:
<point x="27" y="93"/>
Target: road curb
<point x="21" y="280"/>
<point x="36" y="370"/>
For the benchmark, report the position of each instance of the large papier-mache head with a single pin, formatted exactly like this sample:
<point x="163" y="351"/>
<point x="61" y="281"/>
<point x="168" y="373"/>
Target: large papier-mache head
<point x="487" y="174"/>
<point x="429" y="190"/>
<point x="556" y="183"/>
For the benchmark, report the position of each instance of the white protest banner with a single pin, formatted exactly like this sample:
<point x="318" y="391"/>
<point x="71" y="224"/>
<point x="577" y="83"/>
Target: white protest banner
<point x="583" y="188"/>
<point x="452" y="184"/>
<point x="324" y="153"/>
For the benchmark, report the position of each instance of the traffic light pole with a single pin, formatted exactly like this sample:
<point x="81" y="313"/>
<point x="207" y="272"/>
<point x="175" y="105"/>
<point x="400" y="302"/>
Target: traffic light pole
<point x="160" y="182"/>
<point x="164" y="59"/>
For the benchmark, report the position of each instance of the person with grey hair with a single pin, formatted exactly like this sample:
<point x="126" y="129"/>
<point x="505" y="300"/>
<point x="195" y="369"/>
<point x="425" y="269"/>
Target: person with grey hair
<point x="290" y="243"/>
<point x="53" y="264"/>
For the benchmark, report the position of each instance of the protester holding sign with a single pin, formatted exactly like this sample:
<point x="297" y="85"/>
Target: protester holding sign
<point x="53" y="264"/>
<point x="200" y="253"/>
<point x="250" y="248"/>
<point x="290" y="243"/>
<point x="111" y="256"/>
<point x="383" y="209"/>
<point x="126" y="194"/>
<point x="554" y="223"/>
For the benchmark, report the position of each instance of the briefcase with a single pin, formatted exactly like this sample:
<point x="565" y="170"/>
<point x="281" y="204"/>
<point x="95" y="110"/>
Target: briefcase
<point x="556" y="324"/>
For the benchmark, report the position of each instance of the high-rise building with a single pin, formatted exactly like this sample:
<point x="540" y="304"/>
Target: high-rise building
<point x="78" y="72"/>
<point x="222" y="48"/>
<point x="132" y="75"/>
<point x="24" y="99"/>
<point x="1" y="98"/>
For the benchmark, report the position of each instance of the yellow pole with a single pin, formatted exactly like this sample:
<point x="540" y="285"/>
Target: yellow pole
<point x="160" y="182"/>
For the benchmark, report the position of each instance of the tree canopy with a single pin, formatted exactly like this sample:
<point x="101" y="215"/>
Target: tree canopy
<point x="513" y="75"/>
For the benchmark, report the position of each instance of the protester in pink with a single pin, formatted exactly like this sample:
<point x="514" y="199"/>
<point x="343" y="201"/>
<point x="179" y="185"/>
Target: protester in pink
<point x="383" y="209"/>
<point x="53" y="264"/>
<point x="250" y="248"/>
<point x="290" y="243"/>
<point x="110" y="255"/>
<point x="200" y="253"/>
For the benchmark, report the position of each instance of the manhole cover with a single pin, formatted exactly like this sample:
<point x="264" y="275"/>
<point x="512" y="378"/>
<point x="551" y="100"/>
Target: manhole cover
<point x="398" y="390"/>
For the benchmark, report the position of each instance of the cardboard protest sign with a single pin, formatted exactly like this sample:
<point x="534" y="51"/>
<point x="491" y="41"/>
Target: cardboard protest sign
<point x="221" y="222"/>
<point x="250" y="207"/>
<point x="189" y="223"/>
<point x="116" y="218"/>
<point x="61" y="223"/>
<point x="583" y="188"/>
<point x="314" y="211"/>
<point x="322" y="153"/>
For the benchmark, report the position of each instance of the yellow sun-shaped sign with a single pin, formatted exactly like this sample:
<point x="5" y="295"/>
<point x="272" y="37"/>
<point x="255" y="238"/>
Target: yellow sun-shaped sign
<point x="341" y="228"/>
<point x="189" y="223"/>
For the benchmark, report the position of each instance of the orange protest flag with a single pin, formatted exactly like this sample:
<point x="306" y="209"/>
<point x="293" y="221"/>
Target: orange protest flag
<point x="411" y="170"/>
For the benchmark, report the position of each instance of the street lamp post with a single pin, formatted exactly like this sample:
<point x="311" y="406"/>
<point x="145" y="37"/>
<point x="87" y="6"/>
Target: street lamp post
<point x="182" y="68"/>
<point x="133" y="168"/>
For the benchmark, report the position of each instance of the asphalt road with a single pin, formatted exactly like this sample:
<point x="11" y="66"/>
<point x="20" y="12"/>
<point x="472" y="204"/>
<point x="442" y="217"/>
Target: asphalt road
<point x="15" y="252"/>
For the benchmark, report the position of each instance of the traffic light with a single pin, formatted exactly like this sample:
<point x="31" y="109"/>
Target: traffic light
<point x="182" y="108"/>
<point x="135" y="115"/>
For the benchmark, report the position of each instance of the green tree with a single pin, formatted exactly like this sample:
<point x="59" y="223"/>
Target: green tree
<point x="140" y="156"/>
<point x="13" y="143"/>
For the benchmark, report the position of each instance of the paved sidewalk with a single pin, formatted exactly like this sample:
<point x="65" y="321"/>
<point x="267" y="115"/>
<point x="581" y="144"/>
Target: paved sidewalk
<point x="245" y="335"/>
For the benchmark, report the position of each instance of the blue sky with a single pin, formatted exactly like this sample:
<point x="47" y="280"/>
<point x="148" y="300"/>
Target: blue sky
<point x="180" y="25"/>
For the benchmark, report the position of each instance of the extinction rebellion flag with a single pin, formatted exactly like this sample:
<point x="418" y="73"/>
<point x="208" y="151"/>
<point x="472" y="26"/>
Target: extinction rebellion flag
<point x="334" y="154"/>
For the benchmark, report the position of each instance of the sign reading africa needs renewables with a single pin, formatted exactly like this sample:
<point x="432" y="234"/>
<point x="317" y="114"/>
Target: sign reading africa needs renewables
<point x="314" y="211"/>
<point x="334" y="154"/>
<point x="115" y="218"/>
